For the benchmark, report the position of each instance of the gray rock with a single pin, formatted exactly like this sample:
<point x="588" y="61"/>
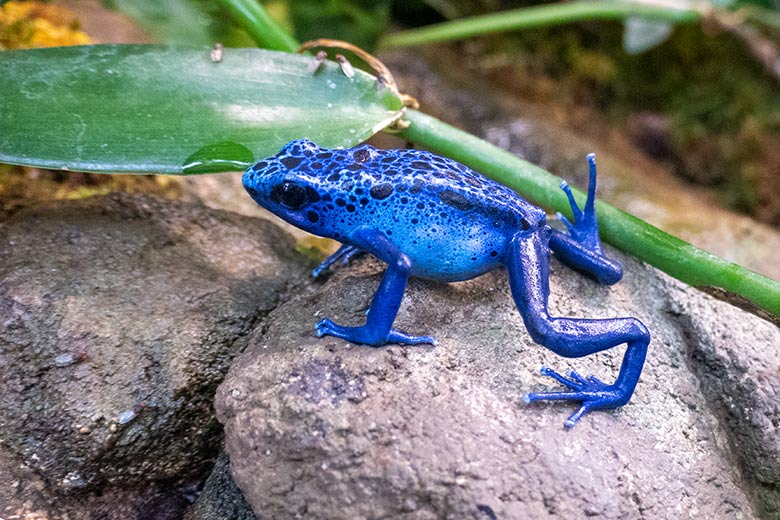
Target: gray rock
<point x="120" y="315"/>
<point x="319" y="428"/>
<point x="221" y="499"/>
<point x="737" y="363"/>
<point x="24" y="495"/>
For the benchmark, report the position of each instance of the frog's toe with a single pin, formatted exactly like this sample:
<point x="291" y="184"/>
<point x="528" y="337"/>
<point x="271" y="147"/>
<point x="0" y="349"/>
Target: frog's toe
<point x="574" y="381"/>
<point x="396" y="336"/>
<point x="592" y="393"/>
<point x="325" y="327"/>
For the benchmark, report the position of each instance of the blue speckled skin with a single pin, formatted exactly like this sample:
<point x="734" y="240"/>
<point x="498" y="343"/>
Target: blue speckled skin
<point x="431" y="217"/>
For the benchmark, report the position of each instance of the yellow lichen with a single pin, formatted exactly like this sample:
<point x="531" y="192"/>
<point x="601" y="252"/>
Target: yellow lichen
<point x="35" y="24"/>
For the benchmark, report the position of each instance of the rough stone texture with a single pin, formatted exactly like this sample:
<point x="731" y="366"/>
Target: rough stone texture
<point x="317" y="428"/>
<point x="120" y="315"/>
<point x="737" y="362"/>
<point x="220" y="498"/>
<point x="24" y="495"/>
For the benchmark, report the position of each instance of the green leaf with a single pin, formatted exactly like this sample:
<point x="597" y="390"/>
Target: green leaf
<point x="155" y="109"/>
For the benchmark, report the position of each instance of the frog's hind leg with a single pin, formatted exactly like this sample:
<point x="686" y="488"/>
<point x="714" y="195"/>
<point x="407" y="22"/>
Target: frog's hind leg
<point x="377" y="330"/>
<point x="527" y="263"/>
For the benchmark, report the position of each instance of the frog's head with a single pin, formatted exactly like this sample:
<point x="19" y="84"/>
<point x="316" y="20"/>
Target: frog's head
<point x="286" y="185"/>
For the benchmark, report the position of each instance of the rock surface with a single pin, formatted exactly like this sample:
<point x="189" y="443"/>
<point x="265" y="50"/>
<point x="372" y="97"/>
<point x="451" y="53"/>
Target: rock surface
<point x="220" y="498"/>
<point x="120" y="315"/>
<point x="317" y="428"/>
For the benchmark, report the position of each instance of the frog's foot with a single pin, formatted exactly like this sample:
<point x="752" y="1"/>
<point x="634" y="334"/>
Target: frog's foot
<point x="585" y="227"/>
<point x="367" y="336"/>
<point x="344" y="255"/>
<point x="590" y="391"/>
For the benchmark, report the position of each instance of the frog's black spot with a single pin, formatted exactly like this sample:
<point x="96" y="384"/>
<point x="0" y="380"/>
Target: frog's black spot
<point x="473" y="258"/>
<point x="391" y="172"/>
<point x="260" y="166"/>
<point x="312" y="194"/>
<point x="492" y="211"/>
<point x="336" y="234"/>
<point x="421" y="165"/>
<point x="451" y="175"/>
<point x="324" y="155"/>
<point x="404" y="200"/>
<point x="363" y="201"/>
<point x="354" y="167"/>
<point x="327" y="197"/>
<point x="455" y="199"/>
<point x="381" y="191"/>
<point x="388" y="160"/>
<point x="494" y="253"/>
<point x="443" y="214"/>
<point x="415" y="189"/>
<point x="341" y="203"/>
<point x="316" y="165"/>
<point x="362" y="155"/>
<point x="525" y="225"/>
<point x="388" y="232"/>
<point x="291" y="162"/>
<point x="420" y="205"/>
<point x="415" y="220"/>
<point x="474" y="181"/>
<point x="400" y="187"/>
<point x="358" y="191"/>
<point x="313" y="217"/>
<point x="334" y="177"/>
<point x="351" y="208"/>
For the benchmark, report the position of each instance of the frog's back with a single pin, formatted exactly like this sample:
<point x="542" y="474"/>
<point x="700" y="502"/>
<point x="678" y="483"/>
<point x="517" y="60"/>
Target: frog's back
<point x="452" y="222"/>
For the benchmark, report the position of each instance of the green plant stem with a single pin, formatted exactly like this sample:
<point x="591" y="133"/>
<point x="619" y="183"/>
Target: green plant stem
<point x="538" y="16"/>
<point x="260" y="26"/>
<point x="676" y="257"/>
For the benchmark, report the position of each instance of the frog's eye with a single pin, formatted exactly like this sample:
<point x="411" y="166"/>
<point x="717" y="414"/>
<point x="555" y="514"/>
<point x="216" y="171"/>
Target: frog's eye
<point x="289" y="195"/>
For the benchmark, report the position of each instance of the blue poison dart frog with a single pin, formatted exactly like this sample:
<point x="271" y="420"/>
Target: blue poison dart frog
<point x="434" y="218"/>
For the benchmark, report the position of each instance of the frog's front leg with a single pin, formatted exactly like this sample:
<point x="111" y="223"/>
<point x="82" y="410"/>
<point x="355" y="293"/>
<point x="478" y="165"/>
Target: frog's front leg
<point x="580" y="249"/>
<point x="344" y="254"/>
<point x="384" y="307"/>
<point x="527" y="263"/>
